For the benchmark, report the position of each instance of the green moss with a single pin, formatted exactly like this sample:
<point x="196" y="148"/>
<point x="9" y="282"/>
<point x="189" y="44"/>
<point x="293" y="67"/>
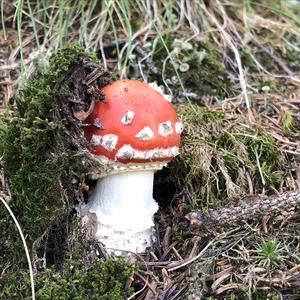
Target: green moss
<point x="263" y="155"/>
<point x="205" y="74"/>
<point x="267" y="86"/>
<point x="43" y="172"/>
<point x="211" y="116"/>
<point x="104" y="279"/>
<point x="288" y="122"/>
<point x="45" y="175"/>
<point x="217" y="152"/>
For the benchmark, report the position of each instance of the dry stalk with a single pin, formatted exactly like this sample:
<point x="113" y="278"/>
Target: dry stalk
<point x="190" y="260"/>
<point x="235" y="50"/>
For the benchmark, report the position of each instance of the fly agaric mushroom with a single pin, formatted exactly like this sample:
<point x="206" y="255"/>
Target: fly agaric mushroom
<point x="133" y="132"/>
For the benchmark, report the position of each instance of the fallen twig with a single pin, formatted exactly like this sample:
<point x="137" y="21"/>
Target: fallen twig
<point x="190" y="260"/>
<point x="146" y="282"/>
<point x="232" y="215"/>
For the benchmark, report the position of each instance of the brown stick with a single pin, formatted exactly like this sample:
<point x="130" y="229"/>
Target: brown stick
<point x="246" y="211"/>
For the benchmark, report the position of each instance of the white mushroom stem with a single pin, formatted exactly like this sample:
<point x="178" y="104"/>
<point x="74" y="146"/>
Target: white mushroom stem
<point x="120" y="211"/>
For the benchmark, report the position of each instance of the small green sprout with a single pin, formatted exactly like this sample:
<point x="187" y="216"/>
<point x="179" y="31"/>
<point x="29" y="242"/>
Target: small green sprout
<point x="269" y="253"/>
<point x="287" y="121"/>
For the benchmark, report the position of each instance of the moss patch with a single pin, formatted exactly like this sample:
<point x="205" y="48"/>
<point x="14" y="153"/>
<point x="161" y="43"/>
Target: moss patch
<point x="224" y="157"/>
<point x="45" y="160"/>
<point x="197" y="65"/>
<point x="104" y="279"/>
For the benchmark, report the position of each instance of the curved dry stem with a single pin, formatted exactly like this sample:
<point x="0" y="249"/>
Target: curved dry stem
<point x="24" y="244"/>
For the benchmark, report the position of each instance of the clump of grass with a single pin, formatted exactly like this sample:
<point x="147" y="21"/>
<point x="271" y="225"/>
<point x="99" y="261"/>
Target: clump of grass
<point x="264" y="34"/>
<point x="268" y="253"/>
<point x="224" y="157"/>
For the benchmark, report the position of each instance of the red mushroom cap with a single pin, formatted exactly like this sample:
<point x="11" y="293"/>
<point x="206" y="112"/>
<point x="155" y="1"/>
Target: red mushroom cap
<point x="134" y="124"/>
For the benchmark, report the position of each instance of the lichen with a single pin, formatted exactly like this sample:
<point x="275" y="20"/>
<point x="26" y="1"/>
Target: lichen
<point x="195" y="65"/>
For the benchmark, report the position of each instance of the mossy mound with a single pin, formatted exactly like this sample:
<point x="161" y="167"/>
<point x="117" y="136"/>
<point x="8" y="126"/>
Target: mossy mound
<point x="194" y="65"/>
<point x="104" y="279"/>
<point x="41" y="169"/>
<point x="224" y="157"/>
<point x="45" y="161"/>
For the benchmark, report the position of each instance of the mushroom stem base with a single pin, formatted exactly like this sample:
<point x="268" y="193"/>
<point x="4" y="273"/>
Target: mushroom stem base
<point x="120" y="211"/>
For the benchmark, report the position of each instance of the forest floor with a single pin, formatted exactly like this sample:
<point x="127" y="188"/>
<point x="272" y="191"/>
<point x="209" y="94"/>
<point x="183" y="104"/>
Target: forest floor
<point x="229" y="220"/>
